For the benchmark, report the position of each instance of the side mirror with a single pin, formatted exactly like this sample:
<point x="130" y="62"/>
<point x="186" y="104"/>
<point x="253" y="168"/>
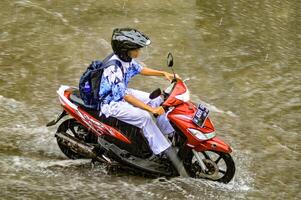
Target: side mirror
<point x="155" y="93"/>
<point x="169" y="60"/>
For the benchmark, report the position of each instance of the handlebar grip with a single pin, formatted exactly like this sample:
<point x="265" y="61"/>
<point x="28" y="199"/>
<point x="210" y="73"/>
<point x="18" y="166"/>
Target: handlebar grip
<point x="165" y="109"/>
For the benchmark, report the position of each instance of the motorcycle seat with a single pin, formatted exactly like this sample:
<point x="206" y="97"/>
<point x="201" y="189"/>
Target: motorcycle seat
<point x="76" y="99"/>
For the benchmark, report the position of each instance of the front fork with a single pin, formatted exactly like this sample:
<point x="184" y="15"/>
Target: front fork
<point x="200" y="161"/>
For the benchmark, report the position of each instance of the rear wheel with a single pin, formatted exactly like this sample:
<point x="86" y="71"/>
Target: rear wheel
<point x="76" y="130"/>
<point x="220" y="166"/>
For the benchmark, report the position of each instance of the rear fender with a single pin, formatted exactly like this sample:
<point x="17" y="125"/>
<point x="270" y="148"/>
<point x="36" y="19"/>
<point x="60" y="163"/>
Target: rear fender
<point x="59" y="117"/>
<point x="214" y="144"/>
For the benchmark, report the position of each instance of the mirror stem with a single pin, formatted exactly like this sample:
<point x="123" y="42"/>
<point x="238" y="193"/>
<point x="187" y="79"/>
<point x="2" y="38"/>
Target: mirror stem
<point x="174" y="75"/>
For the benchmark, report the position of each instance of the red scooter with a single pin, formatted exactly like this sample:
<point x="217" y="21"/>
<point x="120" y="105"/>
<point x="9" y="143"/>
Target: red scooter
<point x="87" y="135"/>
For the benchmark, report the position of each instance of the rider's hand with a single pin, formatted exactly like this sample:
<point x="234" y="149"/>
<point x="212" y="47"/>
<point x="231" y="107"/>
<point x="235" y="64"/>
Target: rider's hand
<point x="158" y="110"/>
<point x="170" y="76"/>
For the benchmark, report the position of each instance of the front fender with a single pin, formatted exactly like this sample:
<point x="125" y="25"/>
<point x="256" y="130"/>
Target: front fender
<point x="214" y="144"/>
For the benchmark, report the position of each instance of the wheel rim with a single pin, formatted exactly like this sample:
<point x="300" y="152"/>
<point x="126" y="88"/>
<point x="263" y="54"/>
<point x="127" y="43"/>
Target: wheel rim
<point x="220" y="166"/>
<point x="75" y="129"/>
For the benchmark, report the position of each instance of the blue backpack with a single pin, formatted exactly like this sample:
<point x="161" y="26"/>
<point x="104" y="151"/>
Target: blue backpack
<point x="90" y="81"/>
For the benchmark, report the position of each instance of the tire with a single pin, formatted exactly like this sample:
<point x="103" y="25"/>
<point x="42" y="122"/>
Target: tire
<point x="221" y="167"/>
<point x="73" y="129"/>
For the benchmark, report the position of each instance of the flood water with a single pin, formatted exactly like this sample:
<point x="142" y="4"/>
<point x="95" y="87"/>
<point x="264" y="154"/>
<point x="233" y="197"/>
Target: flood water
<point x="243" y="61"/>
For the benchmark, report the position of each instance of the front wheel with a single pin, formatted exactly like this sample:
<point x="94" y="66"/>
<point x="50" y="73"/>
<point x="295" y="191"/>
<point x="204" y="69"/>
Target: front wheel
<point x="220" y="166"/>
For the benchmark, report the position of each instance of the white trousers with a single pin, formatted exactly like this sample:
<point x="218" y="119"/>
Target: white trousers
<point x="140" y="118"/>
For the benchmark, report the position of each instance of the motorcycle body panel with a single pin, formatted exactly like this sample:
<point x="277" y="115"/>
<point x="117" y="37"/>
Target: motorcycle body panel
<point x="214" y="144"/>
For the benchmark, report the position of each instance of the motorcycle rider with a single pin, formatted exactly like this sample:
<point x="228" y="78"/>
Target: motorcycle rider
<point x="133" y="106"/>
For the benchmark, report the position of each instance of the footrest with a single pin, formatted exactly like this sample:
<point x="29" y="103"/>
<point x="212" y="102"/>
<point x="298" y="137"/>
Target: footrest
<point x="126" y="158"/>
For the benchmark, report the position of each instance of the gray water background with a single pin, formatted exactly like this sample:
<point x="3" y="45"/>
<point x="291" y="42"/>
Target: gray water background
<point x="243" y="61"/>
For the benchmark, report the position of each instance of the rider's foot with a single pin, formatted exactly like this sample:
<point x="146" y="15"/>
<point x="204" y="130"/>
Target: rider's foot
<point x="157" y="158"/>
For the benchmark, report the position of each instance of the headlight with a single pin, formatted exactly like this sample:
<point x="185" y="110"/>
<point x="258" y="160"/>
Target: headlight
<point x="184" y="97"/>
<point x="201" y="135"/>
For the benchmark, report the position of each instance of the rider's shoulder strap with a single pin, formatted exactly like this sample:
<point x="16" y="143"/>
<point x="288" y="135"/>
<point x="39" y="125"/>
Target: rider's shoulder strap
<point x="113" y="62"/>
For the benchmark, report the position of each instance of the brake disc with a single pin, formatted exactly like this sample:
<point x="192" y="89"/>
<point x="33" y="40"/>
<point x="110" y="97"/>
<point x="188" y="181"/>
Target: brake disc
<point x="212" y="170"/>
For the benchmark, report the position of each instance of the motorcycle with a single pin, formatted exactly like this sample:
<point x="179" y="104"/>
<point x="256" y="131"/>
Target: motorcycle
<point x="85" y="134"/>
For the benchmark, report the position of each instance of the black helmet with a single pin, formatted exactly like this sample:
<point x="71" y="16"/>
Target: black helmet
<point x="125" y="39"/>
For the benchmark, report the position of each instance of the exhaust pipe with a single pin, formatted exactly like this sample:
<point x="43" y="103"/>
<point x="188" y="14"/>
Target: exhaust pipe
<point x="83" y="149"/>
